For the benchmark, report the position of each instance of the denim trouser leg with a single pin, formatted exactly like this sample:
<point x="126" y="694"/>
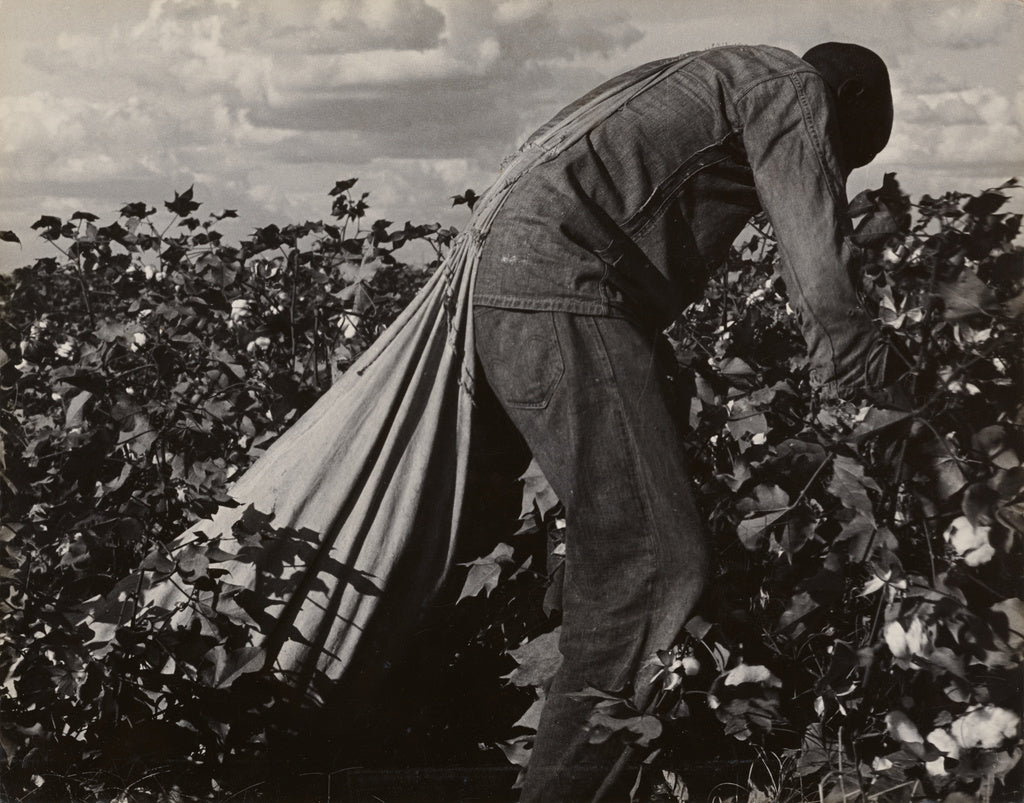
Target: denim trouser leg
<point x="594" y="405"/>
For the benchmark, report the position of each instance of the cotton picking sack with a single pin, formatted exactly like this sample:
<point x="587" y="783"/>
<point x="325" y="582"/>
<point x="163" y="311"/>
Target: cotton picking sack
<point x="361" y="496"/>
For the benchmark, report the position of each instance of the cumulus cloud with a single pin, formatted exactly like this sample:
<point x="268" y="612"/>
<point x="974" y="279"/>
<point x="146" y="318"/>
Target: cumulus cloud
<point x="974" y="128"/>
<point x="348" y="65"/>
<point x="968" y="26"/>
<point x="264" y="101"/>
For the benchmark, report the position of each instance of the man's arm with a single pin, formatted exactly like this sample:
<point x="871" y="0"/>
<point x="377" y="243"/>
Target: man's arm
<point x="788" y="134"/>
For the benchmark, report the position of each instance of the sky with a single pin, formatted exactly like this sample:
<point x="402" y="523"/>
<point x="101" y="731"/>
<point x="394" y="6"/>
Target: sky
<point x="264" y="104"/>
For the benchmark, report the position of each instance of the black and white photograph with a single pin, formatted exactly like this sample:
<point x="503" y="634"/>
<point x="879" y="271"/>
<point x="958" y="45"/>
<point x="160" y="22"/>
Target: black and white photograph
<point x="436" y="401"/>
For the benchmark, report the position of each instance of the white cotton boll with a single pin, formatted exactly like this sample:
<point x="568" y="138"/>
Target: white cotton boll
<point x="969" y="542"/>
<point x="941" y="739"/>
<point x="902" y="728"/>
<point x="751" y="673"/>
<point x="349" y="321"/>
<point x="896" y="639"/>
<point x="986" y="727"/>
<point x="876" y="583"/>
<point x="918" y="638"/>
<point x="936" y="767"/>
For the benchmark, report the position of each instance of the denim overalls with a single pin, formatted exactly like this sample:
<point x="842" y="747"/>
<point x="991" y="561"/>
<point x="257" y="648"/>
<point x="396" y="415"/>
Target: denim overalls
<point x="591" y="255"/>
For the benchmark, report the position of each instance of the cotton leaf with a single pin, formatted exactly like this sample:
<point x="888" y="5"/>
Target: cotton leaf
<point x="1013" y="610"/>
<point x="603" y="725"/>
<point x="698" y="627"/>
<point x="484" y="573"/>
<point x="751" y="673"/>
<point x="945" y="658"/>
<point x="966" y="296"/>
<point x="947" y="476"/>
<point x="192" y="561"/>
<point x="858" y="534"/>
<point x="675" y="786"/>
<point x="483" y="577"/>
<point x="1014" y="307"/>
<point x="850" y="486"/>
<point x="988" y="203"/>
<point x="537" y="660"/>
<point x="735" y="367"/>
<point x="992" y="442"/>
<point x="753" y="424"/>
<point x="141" y="436"/>
<point x="902" y="728"/>
<point x="800" y="604"/>
<point x="750" y="531"/>
<point x="231" y="665"/>
<point x="536" y="492"/>
<point x="765" y="497"/>
<point x="531" y="717"/>
<point x="182" y="205"/>
<point x="875" y="422"/>
<point x="1012" y="517"/>
<point x="76" y="409"/>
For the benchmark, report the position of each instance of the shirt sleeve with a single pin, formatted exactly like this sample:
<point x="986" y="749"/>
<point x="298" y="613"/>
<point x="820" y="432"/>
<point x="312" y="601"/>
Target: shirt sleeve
<point x="788" y="131"/>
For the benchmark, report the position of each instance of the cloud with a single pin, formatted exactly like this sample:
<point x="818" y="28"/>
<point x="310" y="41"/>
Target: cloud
<point x="968" y="139"/>
<point x="418" y="75"/>
<point x="974" y="25"/>
<point x="264" y="103"/>
<point x="967" y="107"/>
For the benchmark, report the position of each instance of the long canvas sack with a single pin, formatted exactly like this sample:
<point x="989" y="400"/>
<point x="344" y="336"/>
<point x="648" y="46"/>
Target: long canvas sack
<point x="364" y="492"/>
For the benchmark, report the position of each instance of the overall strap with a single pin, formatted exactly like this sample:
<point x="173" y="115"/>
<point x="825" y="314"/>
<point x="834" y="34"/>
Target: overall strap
<point x="568" y="127"/>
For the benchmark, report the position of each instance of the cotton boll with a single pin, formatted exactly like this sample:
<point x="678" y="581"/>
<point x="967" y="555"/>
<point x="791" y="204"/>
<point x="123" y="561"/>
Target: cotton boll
<point x="986" y="727"/>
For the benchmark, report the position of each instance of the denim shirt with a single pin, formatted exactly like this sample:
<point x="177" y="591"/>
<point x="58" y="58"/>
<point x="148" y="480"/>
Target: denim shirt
<point x="630" y="220"/>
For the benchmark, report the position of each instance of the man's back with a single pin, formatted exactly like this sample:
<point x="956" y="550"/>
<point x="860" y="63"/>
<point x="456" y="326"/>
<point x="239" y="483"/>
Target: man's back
<point x="629" y="220"/>
<point x="657" y="192"/>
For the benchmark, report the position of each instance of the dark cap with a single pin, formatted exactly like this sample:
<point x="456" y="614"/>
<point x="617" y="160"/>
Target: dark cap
<point x="859" y="80"/>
